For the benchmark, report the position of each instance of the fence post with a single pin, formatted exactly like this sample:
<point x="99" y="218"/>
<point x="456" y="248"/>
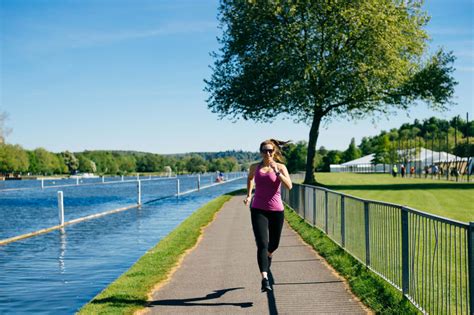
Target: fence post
<point x="367" y="233"/>
<point x="468" y="150"/>
<point x="298" y="200"/>
<point x="343" y="222"/>
<point x="177" y="187"/>
<point x="287" y="197"/>
<point x="199" y="182"/>
<point x="103" y="179"/>
<point x="61" y="207"/>
<point x="139" y="192"/>
<point x="292" y="197"/>
<point x="42" y="183"/>
<point x="326" y="211"/>
<point x="405" y="244"/>
<point x="77" y="180"/>
<point x="314" y="205"/>
<point x="303" y="194"/>
<point x="470" y="251"/>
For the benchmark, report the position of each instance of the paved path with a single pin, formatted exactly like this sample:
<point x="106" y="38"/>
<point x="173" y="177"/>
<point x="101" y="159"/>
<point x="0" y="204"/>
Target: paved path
<point x="221" y="275"/>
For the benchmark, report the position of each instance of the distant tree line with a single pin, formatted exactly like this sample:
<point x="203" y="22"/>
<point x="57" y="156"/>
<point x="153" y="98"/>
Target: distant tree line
<point x="15" y="159"/>
<point x="433" y="133"/>
<point x="454" y="136"/>
<point x="296" y="154"/>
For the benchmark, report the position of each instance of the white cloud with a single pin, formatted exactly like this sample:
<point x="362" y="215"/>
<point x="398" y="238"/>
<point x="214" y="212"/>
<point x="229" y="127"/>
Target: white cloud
<point x="50" y="39"/>
<point x="93" y="38"/>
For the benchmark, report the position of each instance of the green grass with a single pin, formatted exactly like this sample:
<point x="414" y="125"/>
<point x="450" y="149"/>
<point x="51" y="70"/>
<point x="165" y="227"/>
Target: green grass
<point x="448" y="199"/>
<point x="129" y="292"/>
<point x="372" y="290"/>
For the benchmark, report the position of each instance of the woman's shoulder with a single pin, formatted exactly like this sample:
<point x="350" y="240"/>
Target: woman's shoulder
<point x="254" y="165"/>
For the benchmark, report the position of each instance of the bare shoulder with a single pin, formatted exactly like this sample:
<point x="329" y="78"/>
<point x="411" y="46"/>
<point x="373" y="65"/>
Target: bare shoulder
<point x="281" y="165"/>
<point x="254" y="166"/>
<point x="252" y="169"/>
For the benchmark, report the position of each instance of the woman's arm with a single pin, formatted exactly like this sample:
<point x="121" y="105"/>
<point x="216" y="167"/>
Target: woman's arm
<point x="250" y="177"/>
<point x="284" y="176"/>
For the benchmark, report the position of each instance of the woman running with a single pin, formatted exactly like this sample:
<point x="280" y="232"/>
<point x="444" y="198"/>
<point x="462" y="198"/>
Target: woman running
<point x="266" y="206"/>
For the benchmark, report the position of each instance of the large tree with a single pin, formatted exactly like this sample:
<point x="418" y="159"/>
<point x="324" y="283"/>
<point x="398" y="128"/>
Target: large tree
<point x="352" y="152"/>
<point x="13" y="159"/>
<point x="71" y="161"/>
<point x="296" y="156"/>
<point x="315" y="60"/>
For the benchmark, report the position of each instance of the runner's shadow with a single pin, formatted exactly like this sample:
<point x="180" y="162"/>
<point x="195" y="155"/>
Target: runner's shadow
<point x="272" y="308"/>
<point x="191" y="301"/>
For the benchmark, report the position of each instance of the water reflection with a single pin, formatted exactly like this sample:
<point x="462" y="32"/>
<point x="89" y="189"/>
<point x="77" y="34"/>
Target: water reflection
<point x="140" y="220"/>
<point x="62" y="250"/>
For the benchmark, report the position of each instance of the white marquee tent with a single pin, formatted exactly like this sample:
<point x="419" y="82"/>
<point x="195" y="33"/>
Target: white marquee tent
<point x="417" y="158"/>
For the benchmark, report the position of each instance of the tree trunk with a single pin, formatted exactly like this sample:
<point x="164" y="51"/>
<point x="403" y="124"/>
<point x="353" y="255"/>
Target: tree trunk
<point x="313" y="139"/>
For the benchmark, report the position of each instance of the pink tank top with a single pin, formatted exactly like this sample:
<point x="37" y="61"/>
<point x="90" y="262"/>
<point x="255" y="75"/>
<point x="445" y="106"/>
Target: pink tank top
<point x="267" y="191"/>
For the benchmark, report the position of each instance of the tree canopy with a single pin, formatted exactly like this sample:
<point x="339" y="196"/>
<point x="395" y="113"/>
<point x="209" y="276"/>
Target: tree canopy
<point x="314" y="60"/>
<point x="14" y="159"/>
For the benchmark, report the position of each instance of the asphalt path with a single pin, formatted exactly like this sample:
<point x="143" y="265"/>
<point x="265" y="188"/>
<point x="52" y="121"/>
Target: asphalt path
<point x="220" y="275"/>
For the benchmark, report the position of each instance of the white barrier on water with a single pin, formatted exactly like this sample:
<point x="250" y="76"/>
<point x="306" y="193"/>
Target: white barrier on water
<point x="62" y="224"/>
<point x="61" y="207"/>
<point x="139" y="193"/>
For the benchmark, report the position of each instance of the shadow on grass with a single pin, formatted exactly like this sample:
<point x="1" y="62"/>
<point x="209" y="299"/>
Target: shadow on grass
<point x="411" y="186"/>
<point x="238" y="192"/>
<point x="120" y="301"/>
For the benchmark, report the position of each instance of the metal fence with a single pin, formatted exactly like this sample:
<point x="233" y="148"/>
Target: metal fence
<point x="427" y="257"/>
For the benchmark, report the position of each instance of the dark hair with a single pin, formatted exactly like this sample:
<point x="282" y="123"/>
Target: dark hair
<point x="278" y="146"/>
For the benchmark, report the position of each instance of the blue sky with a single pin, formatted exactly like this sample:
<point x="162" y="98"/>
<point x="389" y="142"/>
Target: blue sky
<point x="128" y="75"/>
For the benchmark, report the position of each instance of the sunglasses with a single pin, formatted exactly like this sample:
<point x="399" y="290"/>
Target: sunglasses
<point x="267" y="151"/>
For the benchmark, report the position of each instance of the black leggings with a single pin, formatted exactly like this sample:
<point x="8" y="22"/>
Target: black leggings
<point x="267" y="227"/>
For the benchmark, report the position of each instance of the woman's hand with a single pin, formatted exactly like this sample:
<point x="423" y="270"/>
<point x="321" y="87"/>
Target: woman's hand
<point x="247" y="200"/>
<point x="274" y="165"/>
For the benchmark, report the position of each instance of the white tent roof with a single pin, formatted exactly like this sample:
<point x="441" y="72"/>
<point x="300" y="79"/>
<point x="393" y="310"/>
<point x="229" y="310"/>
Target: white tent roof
<point x="363" y="160"/>
<point x="425" y="155"/>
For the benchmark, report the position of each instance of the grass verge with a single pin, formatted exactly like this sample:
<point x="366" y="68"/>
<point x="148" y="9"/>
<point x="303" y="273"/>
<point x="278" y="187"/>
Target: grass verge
<point x="129" y="292"/>
<point x="372" y="290"/>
